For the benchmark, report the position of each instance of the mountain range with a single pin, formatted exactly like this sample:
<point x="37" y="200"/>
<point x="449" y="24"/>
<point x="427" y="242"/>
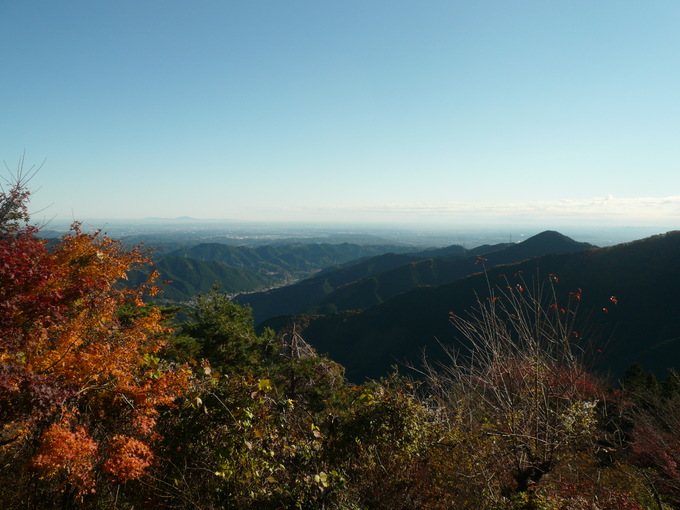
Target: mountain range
<point x="378" y="279"/>
<point x="629" y="308"/>
<point x="370" y="307"/>
<point x="242" y="269"/>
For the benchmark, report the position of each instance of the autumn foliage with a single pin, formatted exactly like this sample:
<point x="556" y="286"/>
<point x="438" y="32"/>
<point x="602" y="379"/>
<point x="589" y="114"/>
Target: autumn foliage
<point x="80" y="389"/>
<point x="103" y="406"/>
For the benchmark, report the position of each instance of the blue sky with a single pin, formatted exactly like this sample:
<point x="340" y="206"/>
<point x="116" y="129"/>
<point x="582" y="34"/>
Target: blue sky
<point x="356" y="111"/>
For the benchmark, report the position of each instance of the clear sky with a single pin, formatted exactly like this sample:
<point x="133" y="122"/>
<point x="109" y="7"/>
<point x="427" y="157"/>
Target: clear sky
<point x="346" y="111"/>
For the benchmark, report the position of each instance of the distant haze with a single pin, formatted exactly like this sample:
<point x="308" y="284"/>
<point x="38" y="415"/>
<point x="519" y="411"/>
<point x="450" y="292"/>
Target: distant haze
<point x="546" y="114"/>
<point x="190" y="230"/>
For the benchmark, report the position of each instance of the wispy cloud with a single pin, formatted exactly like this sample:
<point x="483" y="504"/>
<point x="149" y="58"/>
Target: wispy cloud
<point x="609" y="209"/>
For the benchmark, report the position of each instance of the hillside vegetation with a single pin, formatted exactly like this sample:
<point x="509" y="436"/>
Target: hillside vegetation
<point x="242" y="269"/>
<point x="106" y="403"/>
<point x="186" y="277"/>
<point x="641" y="326"/>
<point x="371" y="282"/>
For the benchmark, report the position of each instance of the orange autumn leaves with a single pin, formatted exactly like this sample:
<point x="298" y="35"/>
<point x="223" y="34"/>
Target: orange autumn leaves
<point x="67" y="449"/>
<point x="73" y="370"/>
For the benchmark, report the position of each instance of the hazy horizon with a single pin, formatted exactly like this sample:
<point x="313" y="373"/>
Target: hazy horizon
<point x="193" y="230"/>
<point x="382" y="112"/>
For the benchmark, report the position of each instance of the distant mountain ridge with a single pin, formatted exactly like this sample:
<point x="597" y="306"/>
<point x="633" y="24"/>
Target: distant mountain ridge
<point x="310" y="292"/>
<point x="242" y="269"/>
<point x="285" y="259"/>
<point x="438" y="271"/>
<point x="643" y="326"/>
<point x="373" y="281"/>
<point x="183" y="278"/>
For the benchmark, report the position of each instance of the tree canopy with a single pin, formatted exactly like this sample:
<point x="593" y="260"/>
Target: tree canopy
<point x="104" y="405"/>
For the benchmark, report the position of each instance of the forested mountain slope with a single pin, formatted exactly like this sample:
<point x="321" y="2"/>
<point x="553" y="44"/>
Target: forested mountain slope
<point x="242" y="269"/>
<point x="286" y="260"/>
<point x="438" y="271"/>
<point x="308" y="293"/>
<point x="182" y="278"/>
<point x="643" y="325"/>
<point x="376" y="280"/>
<point x="104" y="406"/>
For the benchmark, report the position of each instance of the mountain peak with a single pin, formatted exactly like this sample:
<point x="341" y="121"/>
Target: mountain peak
<point x="550" y="234"/>
<point x="551" y="239"/>
<point x="544" y="243"/>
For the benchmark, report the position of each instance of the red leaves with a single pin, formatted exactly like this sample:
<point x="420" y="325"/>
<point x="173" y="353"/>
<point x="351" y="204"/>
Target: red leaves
<point x="69" y="451"/>
<point x="576" y="296"/>
<point x="27" y="294"/>
<point x="65" y="347"/>
<point x="128" y="459"/>
<point x="657" y="448"/>
<point x="556" y="381"/>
